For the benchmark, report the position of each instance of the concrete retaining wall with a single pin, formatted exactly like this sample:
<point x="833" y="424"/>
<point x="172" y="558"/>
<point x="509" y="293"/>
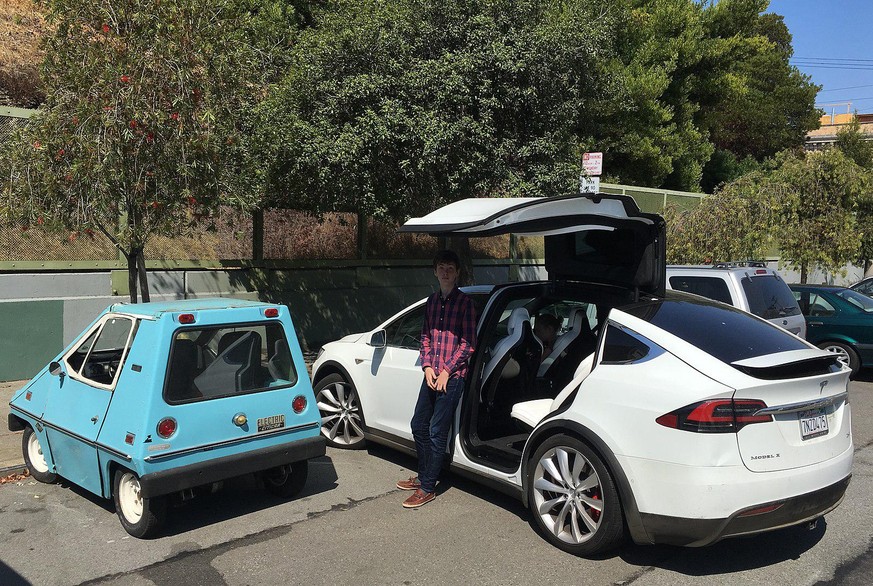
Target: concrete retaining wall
<point x="41" y="313"/>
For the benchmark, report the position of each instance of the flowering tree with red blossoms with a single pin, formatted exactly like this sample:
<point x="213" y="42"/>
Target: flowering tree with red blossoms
<point x="138" y="135"/>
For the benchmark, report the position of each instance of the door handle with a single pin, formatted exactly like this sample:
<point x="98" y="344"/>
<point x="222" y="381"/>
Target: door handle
<point x="815" y="323"/>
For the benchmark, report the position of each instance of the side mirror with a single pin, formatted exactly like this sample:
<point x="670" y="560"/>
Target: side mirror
<point x="55" y="368"/>
<point x="379" y="339"/>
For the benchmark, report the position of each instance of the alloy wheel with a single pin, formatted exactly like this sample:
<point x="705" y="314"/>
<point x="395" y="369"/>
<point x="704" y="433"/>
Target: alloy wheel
<point x="568" y="495"/>
<point x="842" y="355"/>
<point x="340" y="414"/>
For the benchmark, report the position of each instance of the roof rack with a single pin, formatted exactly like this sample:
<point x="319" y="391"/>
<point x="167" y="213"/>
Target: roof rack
<point x="740" y="263"/>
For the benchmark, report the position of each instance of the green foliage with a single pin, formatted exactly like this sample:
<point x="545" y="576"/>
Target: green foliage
<point x="141" y="118"/>
<point x="768" y="105"/>
<point x="818" y="195"/>
<point x="733" y="224"/>
<point x="394" y="108"/>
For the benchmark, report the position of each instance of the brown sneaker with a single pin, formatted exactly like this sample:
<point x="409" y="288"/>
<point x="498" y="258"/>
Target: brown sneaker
<point x="411" y="483"/>
<point x="418" y="498"/>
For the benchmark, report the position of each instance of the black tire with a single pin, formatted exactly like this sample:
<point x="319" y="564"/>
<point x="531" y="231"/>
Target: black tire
<point x="140" y="517"/>
<point x="558" y="515"/>
<point x="33" y="458"/>
<point x="846" y="355"/>
<point x="342" y="419"/>
<point x="286" y="481"/>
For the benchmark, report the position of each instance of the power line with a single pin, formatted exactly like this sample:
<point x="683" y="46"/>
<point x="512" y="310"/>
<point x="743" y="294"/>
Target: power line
<point x="830" y="59"/>
<point x="851" y="87"/>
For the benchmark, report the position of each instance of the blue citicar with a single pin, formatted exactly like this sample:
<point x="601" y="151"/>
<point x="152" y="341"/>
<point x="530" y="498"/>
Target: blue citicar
<point x="157" y="399"/>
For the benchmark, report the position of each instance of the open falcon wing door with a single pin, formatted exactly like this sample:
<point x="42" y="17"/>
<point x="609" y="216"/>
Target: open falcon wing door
<point x="596" y="238"/>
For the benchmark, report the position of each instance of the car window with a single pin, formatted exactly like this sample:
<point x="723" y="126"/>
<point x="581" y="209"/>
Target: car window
<point x="405" y="331"/>
<point x="100" y="356"/>
<point x="769" y="297"/>
<point x="624" y="347"/>
<point x="819" y="306"/>
<point x="857" y="299"/>
<point x="710" y="287"/>
<point x="207" y="363"/>
<point x="719" y="330"/>
<point x="865" y="287"/>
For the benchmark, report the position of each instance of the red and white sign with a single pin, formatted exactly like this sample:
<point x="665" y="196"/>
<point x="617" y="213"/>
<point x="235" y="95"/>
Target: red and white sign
<point x="592" y="163"/>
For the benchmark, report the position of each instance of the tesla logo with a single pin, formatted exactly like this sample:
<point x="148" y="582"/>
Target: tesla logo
<point x="821" y="386"/>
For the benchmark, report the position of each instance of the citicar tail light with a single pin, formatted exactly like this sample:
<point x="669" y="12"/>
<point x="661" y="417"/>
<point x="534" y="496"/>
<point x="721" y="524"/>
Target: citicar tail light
<point x="298" y="404"/>
<point x="166" y="427"/>
<point x="186" y="318"/>
<point x="716" y="416"/>
<point x="271" y="312"/>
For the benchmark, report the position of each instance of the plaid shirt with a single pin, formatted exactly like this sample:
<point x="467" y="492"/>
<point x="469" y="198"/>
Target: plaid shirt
<point x="448" y="335"/>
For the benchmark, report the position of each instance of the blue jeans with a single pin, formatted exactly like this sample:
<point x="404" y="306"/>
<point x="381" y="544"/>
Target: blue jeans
<point x="431" y="423"/>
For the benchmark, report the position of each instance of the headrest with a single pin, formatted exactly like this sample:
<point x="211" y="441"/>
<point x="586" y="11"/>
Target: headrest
<point x="518" y="317"/>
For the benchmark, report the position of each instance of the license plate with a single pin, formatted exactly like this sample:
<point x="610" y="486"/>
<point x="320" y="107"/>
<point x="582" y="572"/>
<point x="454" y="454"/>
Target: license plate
<point x="274" y="422"/>
<point x="813" y="424"/>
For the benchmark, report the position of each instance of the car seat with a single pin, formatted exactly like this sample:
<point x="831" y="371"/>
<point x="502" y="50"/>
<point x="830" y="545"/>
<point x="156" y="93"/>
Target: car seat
<point x="515" y="358"/>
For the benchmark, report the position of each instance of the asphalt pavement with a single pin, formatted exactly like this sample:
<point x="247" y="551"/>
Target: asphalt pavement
<point x="11" y="460"/>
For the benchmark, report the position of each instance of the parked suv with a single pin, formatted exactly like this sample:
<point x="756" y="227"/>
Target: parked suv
<point x="749" y="286"/>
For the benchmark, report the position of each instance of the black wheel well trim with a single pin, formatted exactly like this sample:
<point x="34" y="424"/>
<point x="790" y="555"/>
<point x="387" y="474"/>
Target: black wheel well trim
<point x="625" y="492"/>
<point x="16" y="423"/>
<point x="328" y="368"/>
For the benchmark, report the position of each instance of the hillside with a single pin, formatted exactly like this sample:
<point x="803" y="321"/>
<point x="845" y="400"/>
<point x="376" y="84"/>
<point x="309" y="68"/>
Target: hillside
<point x="21" y="28"/>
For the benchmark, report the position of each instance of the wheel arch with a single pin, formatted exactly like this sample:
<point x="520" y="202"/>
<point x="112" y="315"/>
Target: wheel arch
<point x="567" y="427"/>
<point x="328" y="368"/>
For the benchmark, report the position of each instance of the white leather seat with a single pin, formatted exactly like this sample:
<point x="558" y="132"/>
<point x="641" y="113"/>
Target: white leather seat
<point x="514" y="331"/>
<point x="532" y="412"/>
<point x="578" y="321"/>
<point x="519" y="343"/>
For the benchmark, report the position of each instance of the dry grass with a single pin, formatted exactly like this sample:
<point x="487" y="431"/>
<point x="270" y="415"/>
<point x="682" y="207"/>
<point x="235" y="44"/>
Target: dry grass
<point x="22" y="27"/>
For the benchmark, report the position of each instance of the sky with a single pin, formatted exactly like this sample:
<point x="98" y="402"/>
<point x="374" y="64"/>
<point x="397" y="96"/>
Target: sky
<point x="833" y="43"/>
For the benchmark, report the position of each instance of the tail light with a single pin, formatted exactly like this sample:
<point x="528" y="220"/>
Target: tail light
<point x="298" y="404"/>
<point x="271" y="312"/>
<point x="166" y="427"/>
<point x="716" y="416"/>
<point x="186" y="318"/>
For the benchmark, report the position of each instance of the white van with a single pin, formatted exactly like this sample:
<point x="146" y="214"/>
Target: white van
<point x="749" y="286"/>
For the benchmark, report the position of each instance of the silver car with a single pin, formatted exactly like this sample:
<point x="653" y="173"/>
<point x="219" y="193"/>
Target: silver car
<point x="751" y="287"/>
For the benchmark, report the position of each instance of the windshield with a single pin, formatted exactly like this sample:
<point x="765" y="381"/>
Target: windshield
<point x="857" y="299"/>
<point x="769" y="297"/>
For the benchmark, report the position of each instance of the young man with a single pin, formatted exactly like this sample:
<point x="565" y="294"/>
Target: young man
<point x="448" y="337"/>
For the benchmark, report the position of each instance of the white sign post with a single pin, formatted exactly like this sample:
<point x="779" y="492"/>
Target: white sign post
<point x="592" y="167"/>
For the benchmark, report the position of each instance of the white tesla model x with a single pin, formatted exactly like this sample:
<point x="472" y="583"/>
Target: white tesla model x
<point x="660" y="416"/>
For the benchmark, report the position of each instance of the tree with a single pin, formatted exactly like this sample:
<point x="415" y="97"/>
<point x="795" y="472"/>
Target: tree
<point x="817" y="194"/>
<point x="768" y="105"/>
<point x="139" y="132"/>
<point x="857" y="146"/>
<point x="733" y="224"/>
<point x="392" y="109"/>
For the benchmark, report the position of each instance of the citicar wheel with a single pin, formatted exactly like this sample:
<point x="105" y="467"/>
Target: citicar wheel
<point x="34" y="458"/>
<point x="573" y="497"/>
<point x="287" y="481"/>
<point x="140" y="516"/>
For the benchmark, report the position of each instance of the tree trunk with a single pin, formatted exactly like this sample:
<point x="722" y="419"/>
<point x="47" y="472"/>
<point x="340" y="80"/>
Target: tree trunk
<point x="461" y="246"/>
<point x="131" y="274"/>
<point x="803" y="273"/>
<point x="143" y="277"/>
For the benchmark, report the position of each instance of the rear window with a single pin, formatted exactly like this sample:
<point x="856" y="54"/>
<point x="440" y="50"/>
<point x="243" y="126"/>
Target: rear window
<point x="208" y="363"/>
<point x="709" y="287"/>
<point x="722" y="331"/>
<point x="769" y="297"/>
